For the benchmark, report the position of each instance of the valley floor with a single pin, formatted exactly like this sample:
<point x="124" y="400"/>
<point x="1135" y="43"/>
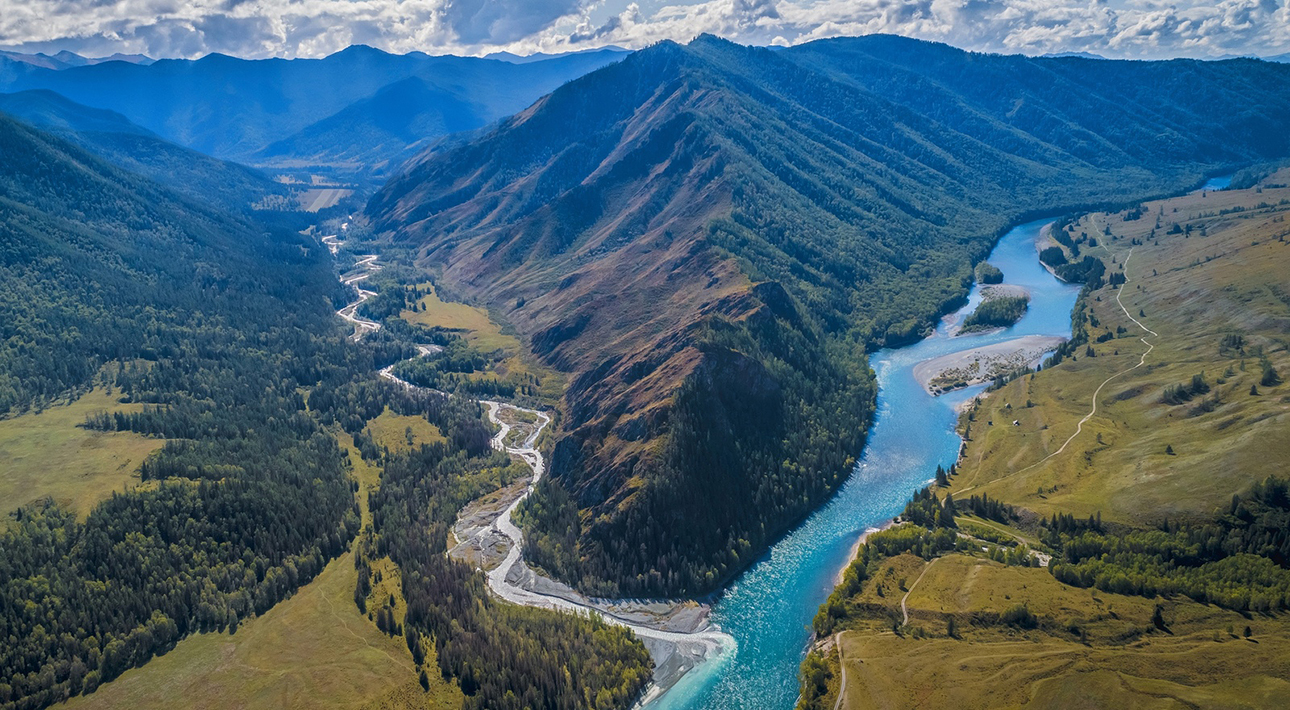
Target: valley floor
<point x="313" y="650"/>
<point x="1164" y="415"/>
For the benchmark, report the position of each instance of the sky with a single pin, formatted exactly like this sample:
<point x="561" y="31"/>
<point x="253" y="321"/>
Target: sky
<point x="1144" y="29"/>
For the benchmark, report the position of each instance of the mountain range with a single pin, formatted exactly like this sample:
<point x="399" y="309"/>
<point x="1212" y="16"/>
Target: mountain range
<point x="66" y="59"/>
<point x="118" y="140"/>
<point x="359" y="110"/>
<point x="729" y="231"/>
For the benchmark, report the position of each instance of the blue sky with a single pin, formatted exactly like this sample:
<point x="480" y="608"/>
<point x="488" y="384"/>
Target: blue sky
<point x="312" y="28"/>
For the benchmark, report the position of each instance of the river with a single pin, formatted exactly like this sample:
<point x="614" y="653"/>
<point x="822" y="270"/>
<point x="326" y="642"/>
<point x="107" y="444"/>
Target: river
<point x="768" y="609"/>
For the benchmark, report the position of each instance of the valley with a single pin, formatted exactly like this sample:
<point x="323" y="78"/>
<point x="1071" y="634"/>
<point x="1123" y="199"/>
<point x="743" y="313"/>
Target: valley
<point x="912" y="434"/>
<point x="714" y="257"/>
<point x="676" y="632"/>
<point x="603" y="380"/>
<point x="1201" y="298"/>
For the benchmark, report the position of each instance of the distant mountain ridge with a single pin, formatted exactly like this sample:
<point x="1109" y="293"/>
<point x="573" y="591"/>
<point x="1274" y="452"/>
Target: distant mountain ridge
<point x="333" y="111"/>
<point x="232" y="187"/>
<point x="66" y="59"/>
<point x="729" y="229"/>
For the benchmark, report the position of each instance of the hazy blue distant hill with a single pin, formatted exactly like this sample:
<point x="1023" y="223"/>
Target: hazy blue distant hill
<point x="53" y="112"/>
<point x="114" y="137"/>
<point x="386" y="128"/>
<point x="65" y="59"/>
<point x="539" y="56"/>
<point x="236" y="108"/>
<point x="726" y="232"/>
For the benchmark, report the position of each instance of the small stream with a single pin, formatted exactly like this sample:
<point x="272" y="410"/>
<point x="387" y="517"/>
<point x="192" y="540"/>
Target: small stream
<point x="769" y="608"/>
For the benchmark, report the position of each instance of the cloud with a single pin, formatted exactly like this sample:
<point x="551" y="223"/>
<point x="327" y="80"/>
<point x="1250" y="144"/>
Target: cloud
<point x="260" y="28"/>
<point x="504" y="21"/>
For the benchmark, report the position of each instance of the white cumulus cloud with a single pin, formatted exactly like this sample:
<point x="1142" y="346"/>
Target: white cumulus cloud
<point x="292" y="28"/>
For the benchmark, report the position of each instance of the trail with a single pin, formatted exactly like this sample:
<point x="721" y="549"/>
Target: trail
<point x="1079" y="428"/>
<point x="904" y="608"/>
<point x="705" y="644"/>
<point x="842" y="663"/>
<point x="332" y="608"/>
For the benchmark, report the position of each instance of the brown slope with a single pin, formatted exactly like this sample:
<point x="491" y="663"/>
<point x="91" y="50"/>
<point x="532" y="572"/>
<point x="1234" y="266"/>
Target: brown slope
<point x="605" y="242"/>
<point x="615" y="275"/>
<point x="708" y="237"/>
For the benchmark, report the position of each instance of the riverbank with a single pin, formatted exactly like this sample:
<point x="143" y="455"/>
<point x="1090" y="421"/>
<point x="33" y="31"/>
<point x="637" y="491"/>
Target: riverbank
<point x="982" y="364"/>
<point x="677" y="633"/>
<point x="1097" y="441"/>
<point x="769" y="608"/>
<point x="855" y="549"/>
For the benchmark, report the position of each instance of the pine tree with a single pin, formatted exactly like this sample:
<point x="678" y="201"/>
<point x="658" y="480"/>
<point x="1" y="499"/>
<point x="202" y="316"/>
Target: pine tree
<point x="1270" y="376"/>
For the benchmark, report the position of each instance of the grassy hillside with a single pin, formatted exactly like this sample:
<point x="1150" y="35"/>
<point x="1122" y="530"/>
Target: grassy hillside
<point x="313" y="650"/>
<point x="1086" y="649"/>
<point x="50" y="455"/>
<point x="730" y="229"/>
<point x="1176" y="358"/>
<point x="1214" y="294"/>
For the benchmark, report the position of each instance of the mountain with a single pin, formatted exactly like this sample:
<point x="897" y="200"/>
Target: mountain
<point x="388" y="127"/>
<point x="214" y="332"/>
<point x="108" y="280"/>
<point x="539" y="56"/>
<point x="730" y="229"/>
<point x="66" y="59"/>
<point x="89" y="250"/>
<point x="256" y="110"/>
<point x="115" y="138"/>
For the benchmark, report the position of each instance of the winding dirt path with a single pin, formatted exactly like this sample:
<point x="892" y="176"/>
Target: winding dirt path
<point x="842" y="663"/>
<point x="705" y="644"/>
<point x="904" y="607"/>
<point x="1079" y="428"/>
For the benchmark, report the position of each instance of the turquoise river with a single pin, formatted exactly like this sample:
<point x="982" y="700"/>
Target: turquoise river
<point x="769" y="608"/>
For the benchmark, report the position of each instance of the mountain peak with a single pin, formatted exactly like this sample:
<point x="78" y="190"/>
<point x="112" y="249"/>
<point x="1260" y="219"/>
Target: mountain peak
<point x="361" y="50"/>
<point x="718" y="214"/>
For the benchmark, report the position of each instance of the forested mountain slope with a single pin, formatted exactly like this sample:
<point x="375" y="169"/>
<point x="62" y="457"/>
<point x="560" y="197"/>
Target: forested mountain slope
<point x="108" y="279"/>
<point x="91" y="253"/>
<point x="125" y="144"/>
<point x="710" y="237"/>
<point x="225" y="340"/>
<point x="285" y="112"/>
